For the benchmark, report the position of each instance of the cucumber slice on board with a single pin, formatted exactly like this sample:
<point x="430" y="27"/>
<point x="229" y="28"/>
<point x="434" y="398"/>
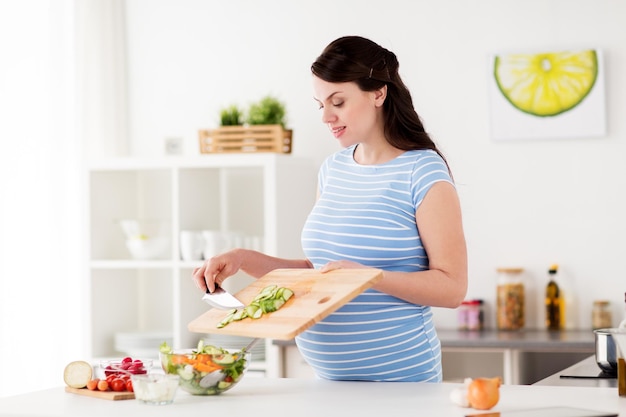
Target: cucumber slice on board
<point x="268" y="300"/>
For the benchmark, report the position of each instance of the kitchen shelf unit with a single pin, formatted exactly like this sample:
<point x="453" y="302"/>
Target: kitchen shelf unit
<point x="266" y="196"/>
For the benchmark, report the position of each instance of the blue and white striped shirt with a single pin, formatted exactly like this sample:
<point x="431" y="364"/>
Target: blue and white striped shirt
<point x="366" y="214"/>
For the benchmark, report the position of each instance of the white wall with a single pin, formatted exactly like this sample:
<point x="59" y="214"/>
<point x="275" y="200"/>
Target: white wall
<point x="525" y="203"/>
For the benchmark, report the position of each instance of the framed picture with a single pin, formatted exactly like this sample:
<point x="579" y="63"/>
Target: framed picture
<point x="547" y="95"/>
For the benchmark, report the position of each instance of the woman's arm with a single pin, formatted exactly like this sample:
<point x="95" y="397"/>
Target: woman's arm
<point x="444" y="284"/>
<point x="255" y="264"/>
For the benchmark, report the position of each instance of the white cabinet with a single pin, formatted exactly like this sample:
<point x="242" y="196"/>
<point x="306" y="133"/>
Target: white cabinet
<point x="265" y="196"/>
<point x="294" y="365"/>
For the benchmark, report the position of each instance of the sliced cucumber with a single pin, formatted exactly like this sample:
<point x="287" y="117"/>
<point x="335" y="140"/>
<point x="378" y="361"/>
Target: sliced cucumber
<point x="225" y="359"/>
<point x="225" y="321"/>
<point x="267" y="306"/>
<point x="211" y="350"/>
<point x="223" y="384"/>
<point x="200" y="346"/>
<point x="186" y="372"/>
<point x="278" y="303"/>
<point x="287" y="294"/>
<point x="268" y="300"/>
<point x="239" y="315"/>
<point x="257" y="313"/>
<point x="251" y="310"/>
<point x="266" y="292"/>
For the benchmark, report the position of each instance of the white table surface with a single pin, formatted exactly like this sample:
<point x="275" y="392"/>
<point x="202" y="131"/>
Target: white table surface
<point x="313" y="397"/>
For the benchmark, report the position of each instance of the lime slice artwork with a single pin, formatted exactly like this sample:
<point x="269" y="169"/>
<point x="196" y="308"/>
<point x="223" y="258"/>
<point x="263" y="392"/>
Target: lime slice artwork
<point x="546" y="84"/>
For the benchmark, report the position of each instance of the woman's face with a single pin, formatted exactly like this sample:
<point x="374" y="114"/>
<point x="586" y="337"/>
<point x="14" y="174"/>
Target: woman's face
<point x="352" y="115"/>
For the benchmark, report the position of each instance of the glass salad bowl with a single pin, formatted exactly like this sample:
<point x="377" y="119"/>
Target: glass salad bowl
<point x="206" y="370"/>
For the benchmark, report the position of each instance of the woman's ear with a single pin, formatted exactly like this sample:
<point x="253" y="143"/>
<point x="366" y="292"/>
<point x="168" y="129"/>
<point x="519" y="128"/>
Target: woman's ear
<point x="380" y="95"/>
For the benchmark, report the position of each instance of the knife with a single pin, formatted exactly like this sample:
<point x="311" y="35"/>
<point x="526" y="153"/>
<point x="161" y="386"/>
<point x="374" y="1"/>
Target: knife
<point x="221" y="299"/>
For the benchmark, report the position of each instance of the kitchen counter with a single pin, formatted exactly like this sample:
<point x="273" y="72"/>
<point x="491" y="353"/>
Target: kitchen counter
<point x="514" y="344"/>
<point x="313" y="397"/>
<point x="527" y="340"/>
<point x="582" y="374"/>
<point x="511" y="344"/>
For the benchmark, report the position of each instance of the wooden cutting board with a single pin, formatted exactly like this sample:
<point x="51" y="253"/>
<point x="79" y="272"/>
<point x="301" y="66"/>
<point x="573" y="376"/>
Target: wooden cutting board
<point x="316" y="295"/>
<point x="105" y="395"/>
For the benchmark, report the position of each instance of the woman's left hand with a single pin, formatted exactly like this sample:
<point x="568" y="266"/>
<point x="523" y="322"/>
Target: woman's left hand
<point x="331" y="266"/>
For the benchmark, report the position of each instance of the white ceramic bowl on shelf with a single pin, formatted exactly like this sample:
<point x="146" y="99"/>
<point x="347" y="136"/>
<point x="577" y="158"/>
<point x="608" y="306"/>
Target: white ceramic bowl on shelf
<point x="148" y="248"/>
<point x="145" y="239"/>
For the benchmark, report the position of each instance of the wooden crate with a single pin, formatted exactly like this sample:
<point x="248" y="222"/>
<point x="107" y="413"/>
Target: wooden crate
<point x="246" y="139"/>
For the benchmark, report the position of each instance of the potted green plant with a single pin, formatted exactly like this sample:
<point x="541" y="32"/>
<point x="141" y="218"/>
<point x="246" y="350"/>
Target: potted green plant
<point x="263" y="130"/>
<point x="268" y="111"/>
<point x="231" y="116"/>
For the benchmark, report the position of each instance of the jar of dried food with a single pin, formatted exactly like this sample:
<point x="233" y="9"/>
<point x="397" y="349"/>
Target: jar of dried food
<point x="510" y="299"/>
<point x="601" y="315"/>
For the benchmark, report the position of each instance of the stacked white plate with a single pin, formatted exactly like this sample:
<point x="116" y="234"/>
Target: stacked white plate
<point x="236" y="342"/>
<point x="142" y="344"/>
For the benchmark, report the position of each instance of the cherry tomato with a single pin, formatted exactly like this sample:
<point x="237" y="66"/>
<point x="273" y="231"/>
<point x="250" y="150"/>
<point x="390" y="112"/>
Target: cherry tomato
<point x="108" y="370"/>
<point x="127" y="359"/>
<point x="93" y="384"/>
<point x="118" y="385"/>
<point x="103" y="385"/>
<point x="136" y="368"/>
<point x="129" y="385"/>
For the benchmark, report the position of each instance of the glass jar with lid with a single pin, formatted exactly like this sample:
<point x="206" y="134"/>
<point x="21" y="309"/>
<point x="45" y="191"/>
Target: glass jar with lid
<point x="601" y="317"/>
<point x="470" y="315"/>
<point x="475" y="315"/>
<point x="510" y="299"/>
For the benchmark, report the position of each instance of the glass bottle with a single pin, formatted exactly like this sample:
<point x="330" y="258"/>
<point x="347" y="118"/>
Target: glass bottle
<point x="555" y="304"/>
<point x="510" y="297"/>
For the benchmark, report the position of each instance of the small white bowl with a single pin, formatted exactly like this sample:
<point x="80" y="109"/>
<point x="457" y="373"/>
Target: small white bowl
<point x="155" y="389"/>
<point x="150" y="248"/>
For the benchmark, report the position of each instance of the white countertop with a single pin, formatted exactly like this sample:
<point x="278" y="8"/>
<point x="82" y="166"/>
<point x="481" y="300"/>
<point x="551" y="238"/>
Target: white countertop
<point x="312" y="397"/>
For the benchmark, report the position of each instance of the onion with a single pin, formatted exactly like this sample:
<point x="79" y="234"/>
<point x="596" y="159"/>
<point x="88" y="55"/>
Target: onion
<point x="484" y="393"/>
<point x="77" y="374"/>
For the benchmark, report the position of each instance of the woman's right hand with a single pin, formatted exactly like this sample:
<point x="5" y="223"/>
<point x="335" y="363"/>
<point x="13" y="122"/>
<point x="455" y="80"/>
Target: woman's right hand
<point x="217" y="269"/>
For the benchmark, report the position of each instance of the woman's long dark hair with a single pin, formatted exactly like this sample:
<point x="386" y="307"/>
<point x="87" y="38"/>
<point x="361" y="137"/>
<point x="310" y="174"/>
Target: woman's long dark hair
<point x="370" y="66"/>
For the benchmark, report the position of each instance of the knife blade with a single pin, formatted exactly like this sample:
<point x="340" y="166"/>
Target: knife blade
<point x="221" y="299"/>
